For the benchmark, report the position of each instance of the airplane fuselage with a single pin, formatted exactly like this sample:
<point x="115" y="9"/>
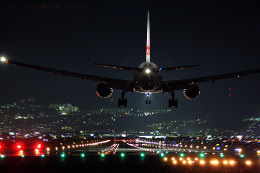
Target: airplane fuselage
<point x="147" y="79"/>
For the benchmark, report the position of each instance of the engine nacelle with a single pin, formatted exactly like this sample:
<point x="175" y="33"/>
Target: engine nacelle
<point x="104" y="91"/>
<point x="191" y="92"/>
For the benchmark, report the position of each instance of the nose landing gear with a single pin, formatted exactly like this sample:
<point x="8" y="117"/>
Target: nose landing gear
<point x="123" y="100"/>
<point x="148" y="95"/>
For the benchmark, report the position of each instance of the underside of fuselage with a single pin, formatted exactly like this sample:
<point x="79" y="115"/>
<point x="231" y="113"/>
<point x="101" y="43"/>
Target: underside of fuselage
<point x="148" y="80"/>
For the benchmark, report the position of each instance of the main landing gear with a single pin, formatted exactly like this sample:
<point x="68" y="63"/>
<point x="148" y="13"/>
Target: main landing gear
<point x="123" y="100"/>
<point x="173" y="102"/>
<point x="148" y="101"/>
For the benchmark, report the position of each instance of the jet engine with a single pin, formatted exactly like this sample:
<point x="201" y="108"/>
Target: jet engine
<point x="191" y="92"/>
<point x="104" y="90"/>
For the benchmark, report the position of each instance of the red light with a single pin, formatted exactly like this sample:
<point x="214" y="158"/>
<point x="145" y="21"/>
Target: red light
<point x="39" y="146"/>
<point x="229" y="95"/>
<point x="229" y="89"/>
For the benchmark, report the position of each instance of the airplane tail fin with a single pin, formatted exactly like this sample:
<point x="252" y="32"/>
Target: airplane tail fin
<point x="148" y="40"/>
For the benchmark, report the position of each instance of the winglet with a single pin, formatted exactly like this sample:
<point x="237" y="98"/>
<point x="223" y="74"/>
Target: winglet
<point x="148" y="40"/>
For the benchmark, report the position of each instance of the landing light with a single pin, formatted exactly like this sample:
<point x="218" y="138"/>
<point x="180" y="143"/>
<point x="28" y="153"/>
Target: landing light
<point x="147" y="71"/>
<point x="3" y="59"/>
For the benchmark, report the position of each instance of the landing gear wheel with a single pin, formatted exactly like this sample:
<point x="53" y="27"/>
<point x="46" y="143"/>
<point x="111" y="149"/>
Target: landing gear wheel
<point x="146" y="101"/>
<point x="172" y="102"/>
<point x="125" y="102"/>
<point x="122" y="100"/>
<point x="149" y="101"/>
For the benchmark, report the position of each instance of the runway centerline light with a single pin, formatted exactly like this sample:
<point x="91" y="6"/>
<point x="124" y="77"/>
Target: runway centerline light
<point x="162" y="154"/>
<point x="2" y="156"/>
<point x="221" y="155"/>
<point x="102" y="155"/>
<point x="42" y="155"/>
<point x="82" y="155"/>
<point x="122" y="154"/>
<point x="182" y="154"/>
<point x="242" y="156"/>
<point x="142" y="154"/>
<point x="62" y="155"/>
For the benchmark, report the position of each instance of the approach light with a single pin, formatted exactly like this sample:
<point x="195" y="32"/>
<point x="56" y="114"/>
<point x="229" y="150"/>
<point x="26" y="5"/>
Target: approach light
<point x="39" y="146"/>
<point x="214" y="162"/>
<point x="225" y="162"/>
<point x="248" y="162"/>
<point x="3" y="59"/>
<point x="202" y="162"/>
<point x="231" y="162"/>
<point x="147" y="71"/>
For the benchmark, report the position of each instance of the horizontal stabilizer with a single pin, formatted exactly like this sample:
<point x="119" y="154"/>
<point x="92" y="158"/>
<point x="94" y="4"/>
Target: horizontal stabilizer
<point x="176" y="68"/>
<point x="119" y="67"/>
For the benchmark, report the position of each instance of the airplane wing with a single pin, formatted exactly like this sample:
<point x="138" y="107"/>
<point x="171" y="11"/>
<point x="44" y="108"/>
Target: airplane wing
<point x="182" y="84"/>
<point x="121" y="84"/>
<point x="176" y="68"/>
<point x="119" y="67"/>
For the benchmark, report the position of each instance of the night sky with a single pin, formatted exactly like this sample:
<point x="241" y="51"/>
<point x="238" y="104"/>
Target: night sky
<point x="72" y="35"/>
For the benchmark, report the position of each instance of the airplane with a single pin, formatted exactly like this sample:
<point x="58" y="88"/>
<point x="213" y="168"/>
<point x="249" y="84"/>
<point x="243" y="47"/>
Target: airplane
<point x="147" y="78"/>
